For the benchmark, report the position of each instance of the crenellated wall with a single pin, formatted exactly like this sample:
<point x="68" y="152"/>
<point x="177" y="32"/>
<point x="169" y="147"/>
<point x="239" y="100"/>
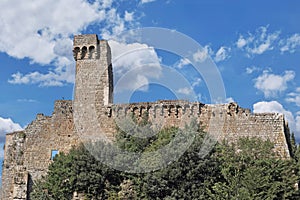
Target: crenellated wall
<point x="28" y="153"/>
<point x="222" y="121"/>
<point x="92" y="114"/>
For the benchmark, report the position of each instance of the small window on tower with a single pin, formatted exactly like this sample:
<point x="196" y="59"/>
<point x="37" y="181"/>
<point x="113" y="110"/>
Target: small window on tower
<point x="53" y="154"/>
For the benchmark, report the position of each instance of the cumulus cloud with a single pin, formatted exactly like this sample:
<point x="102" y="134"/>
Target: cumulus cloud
<point x="134" y="64"/>
<point x="262" y="40"/>
<point x="258" y="42"/>
<point x="33" y="29"/>
<point x="275" y="107"/>
<point x="7" y="126"/>
<point x="290" y="44"/>
<point x="57" y="77"/>
<point x="271" y="84"/>
<point x="128" y="16"/>
<point x="185" y="91"/>
<point x="115" y="24"/>
<point x="222" y="54"/>
<point x="294" y="97"/>
<point x="242" y="42"/>
<point x="182" y="63"/>
<point x="42" y="30"/>
<point x="106" y="3"/>
<point x="202" y="54"/>
<point x="196" y="82"/>
<point x="250" y="70"/>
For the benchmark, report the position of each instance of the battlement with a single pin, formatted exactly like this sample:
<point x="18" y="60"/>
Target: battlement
<point x="162" y="108"/>
<point x="89" y="47"/>
<point x="86" y="47"/>
<point x="85" y="40"/>
<point x="176" y="108"/>
<point x="28" y="153"/>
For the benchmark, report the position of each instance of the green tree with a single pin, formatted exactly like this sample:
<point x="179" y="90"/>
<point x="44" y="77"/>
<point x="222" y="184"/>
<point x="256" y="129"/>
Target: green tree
<point x="77" y="171"/>
<point x="247" y="169"/>
<point x="189" y="177"/>
<point x="250" y="170"/>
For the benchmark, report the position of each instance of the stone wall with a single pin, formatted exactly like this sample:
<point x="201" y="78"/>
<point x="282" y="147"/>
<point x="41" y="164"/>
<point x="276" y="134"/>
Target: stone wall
<point x="28" y="153"/>
<point x="14" y="174"/>
<point x="222" y="121"/>
<point x="92" y="115"/>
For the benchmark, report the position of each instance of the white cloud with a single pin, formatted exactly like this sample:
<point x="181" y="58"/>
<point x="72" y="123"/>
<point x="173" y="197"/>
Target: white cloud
<point x="115" y="24"/>
<point x="7" y="126"/>
<point x="259" y="42"/>
<point x="146" y="1"/>
<point x="185" y="91"/>
<point x="128" y="16"/>
<point x="202" y="54"/>
<point x="222" y="54"/>
<point x="57" y="77"/>
<point x="250" y="70"/>
<point x="290" y="44"/>
<point x="294" y="97"/>
<point x="33" y="29"/>
<point x="196" y="82"/>
<point x="42" y="31"/>
<point x="106" y="3"/>
<point x="275" y="107"/>
<point x="272" y="84"/>
<point x="27" y="100"/>
<point x="243" y="42"/>
<point x="134" y="64"/>
<point x="182" y="63"/>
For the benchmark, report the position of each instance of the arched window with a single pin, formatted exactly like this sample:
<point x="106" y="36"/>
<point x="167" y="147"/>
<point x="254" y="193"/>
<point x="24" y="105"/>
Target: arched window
<point x="75" y="52"/>
<point x="91" y="51"/>
<point x="83" y="52"/>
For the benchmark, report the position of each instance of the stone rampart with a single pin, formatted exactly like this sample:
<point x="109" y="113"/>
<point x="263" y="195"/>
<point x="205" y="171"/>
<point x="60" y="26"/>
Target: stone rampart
<point x="28" y="153"/>
<point x="223" y="121"/>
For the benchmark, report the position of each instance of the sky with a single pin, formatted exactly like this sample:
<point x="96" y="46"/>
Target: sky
<point x="255" y="46"/>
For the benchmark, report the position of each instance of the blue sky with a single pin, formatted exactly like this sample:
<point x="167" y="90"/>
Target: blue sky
<point x="254" y="44"/>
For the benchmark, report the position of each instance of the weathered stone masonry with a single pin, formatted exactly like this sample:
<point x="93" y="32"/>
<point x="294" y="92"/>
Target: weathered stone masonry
<point x="28" y="153"/>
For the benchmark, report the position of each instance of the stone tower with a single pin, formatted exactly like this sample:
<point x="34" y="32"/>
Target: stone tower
<point x="94" y="84"/>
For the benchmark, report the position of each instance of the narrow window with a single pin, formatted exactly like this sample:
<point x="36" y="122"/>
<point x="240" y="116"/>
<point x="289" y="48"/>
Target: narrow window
<point x="91" y="51"/>
<point x="53" y="154"/>
<point x="76" y="52"/>
<point x="83" y="52"/>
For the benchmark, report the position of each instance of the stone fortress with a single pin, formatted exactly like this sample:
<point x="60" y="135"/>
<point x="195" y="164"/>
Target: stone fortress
<point x="28" y="153"/>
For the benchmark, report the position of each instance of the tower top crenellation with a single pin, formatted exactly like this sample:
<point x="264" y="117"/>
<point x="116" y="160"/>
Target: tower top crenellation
<point x="84" y="40"/>
<point x="86" y="47"/>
